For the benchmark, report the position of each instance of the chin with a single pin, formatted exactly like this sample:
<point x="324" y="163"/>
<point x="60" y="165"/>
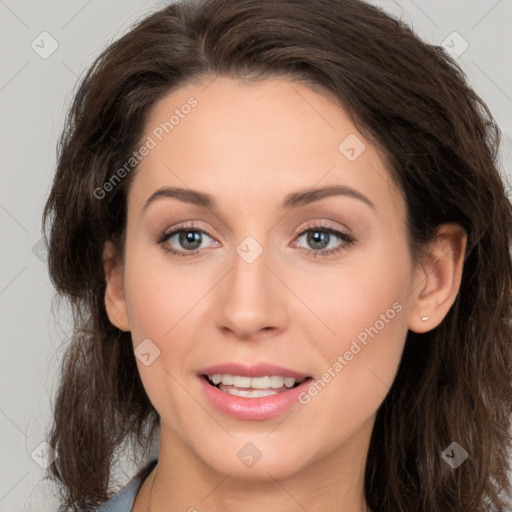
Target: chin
<point x="252" y="457"/>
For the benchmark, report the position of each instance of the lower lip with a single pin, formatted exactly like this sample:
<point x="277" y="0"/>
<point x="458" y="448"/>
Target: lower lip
<point x="261" y="408"/>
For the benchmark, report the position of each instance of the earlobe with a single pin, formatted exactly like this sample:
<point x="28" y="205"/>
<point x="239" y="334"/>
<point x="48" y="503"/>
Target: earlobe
<point x="438" y="278"/>
<point x="115" y="302"/>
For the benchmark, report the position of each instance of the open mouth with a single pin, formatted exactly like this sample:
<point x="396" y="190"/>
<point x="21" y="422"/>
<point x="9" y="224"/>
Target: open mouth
<point x="253" y="387"/>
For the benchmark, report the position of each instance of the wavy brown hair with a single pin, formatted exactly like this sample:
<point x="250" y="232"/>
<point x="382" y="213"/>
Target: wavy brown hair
<point x="413" y="102"/>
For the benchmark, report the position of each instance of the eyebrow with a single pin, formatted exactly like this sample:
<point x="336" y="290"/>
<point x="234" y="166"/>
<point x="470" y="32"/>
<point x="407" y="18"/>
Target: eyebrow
<point x="292" y="200"/>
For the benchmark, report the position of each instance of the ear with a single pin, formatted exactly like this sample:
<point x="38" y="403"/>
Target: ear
<point x="115" y="302"/>
<point x="437" y="278"/>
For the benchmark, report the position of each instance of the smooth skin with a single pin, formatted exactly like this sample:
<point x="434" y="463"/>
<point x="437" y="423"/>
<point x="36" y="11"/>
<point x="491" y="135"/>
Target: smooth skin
<point x="249" y="145"/>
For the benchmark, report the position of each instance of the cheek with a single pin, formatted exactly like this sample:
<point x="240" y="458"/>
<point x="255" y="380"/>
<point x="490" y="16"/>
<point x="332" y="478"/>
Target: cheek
<point x="365" y="298"/>
<point x="159" y="295"/>
<point x="366" y="310"/>
<point x="369" y="328"/>
<point x="163" y="304"/>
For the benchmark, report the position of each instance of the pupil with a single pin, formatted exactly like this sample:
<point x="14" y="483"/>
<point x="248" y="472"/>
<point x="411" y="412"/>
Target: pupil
<point x="190" y="237"/>
<point x="318" y="239"/>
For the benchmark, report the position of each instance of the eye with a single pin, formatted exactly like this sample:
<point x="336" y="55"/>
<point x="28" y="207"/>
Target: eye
<point x="184" y="240"/>
<point x="324" y="240"/>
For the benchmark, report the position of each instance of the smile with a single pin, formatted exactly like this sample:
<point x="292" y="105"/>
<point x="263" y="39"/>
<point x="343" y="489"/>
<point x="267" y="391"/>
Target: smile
<point x="256" y="392"/>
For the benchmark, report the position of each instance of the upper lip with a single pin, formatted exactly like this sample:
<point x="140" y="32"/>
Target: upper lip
<point x="252" y="370"/>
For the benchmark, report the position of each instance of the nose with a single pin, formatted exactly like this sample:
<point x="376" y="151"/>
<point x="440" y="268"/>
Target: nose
<point x="252" y="300"/>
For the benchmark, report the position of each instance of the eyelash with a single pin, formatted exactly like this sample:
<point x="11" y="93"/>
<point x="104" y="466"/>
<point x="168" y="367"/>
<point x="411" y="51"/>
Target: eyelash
<point x="346" y="240"/>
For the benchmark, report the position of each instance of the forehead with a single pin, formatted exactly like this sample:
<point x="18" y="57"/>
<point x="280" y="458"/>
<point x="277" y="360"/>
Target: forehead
<point x="254" y="139"/>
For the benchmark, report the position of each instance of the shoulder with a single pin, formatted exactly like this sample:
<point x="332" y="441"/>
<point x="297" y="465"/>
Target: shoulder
<point x="124" y="499"/>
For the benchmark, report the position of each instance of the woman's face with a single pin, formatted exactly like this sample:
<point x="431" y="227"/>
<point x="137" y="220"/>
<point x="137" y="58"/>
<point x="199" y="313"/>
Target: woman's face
<point x="297" y="266"/>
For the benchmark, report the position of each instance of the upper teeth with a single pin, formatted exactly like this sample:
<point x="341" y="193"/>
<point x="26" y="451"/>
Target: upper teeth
<point x="274" y="381"/>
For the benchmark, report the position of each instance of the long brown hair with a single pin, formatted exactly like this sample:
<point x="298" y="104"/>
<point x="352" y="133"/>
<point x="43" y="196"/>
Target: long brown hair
<point x="414" y="103"/>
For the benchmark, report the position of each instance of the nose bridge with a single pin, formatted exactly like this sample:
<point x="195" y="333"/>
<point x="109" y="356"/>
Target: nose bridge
<point x="250" y="273"/>
<point x="250" y="298"/>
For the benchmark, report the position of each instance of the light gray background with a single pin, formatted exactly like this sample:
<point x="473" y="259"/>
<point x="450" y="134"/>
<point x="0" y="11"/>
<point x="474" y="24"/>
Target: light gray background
<point x="34" y="95"/>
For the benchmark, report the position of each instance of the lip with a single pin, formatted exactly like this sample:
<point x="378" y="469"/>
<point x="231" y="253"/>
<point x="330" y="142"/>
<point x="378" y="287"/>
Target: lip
<point x="261" y="408"/>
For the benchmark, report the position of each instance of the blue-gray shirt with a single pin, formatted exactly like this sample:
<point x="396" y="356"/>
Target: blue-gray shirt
<point x="123" y="501"/>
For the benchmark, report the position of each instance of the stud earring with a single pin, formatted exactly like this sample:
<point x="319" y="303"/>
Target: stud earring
<point x="424" y="318"/>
